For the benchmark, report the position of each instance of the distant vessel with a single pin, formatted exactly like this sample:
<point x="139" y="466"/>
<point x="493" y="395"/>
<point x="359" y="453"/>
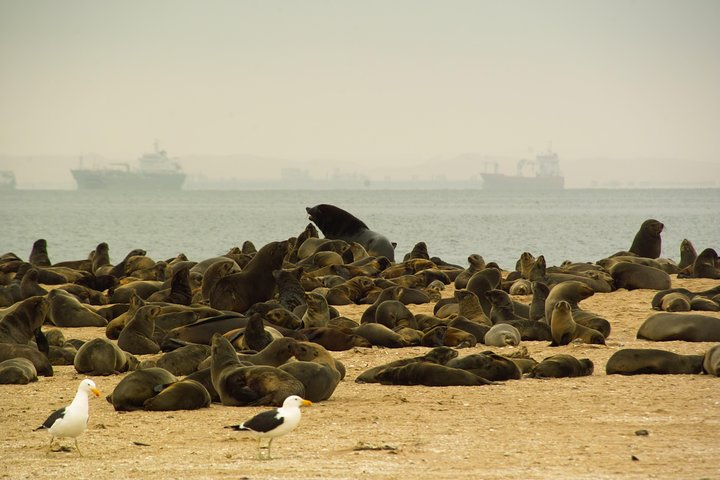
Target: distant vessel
<point x="7" y="180"/>
<point x="546" y="175"/>
<point x="155" y="172"/>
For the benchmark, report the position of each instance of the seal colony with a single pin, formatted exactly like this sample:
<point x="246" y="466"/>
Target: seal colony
<point x="399" y="284"/>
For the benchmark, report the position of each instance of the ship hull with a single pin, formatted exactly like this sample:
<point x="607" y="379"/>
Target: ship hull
<point x="498" y="181"/>
<point x="123" y="180"/>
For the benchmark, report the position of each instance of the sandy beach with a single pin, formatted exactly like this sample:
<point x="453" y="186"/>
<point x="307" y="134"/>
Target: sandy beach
<point x="529" y="428"/>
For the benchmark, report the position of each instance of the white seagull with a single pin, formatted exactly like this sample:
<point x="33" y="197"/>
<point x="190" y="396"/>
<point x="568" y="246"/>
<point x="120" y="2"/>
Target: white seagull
<point x="71" y="421"/>
<point x="274" y="423"/>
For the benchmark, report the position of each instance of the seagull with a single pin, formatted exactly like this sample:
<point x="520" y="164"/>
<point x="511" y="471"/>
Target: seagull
<point x="71" y="421"/>
<point x="274" y="423"/>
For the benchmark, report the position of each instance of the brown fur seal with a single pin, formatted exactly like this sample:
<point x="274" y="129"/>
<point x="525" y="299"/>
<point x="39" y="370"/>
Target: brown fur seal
<point x="141" y="288"/>
<point x="633" y="276"/>
<point x="335" y="339"/>
<point x="488" y="365"/>
<point x="380" y="335"/>
<point x="540" y="291"/>
<point x="711" y="361"/>
<point x="477" y="264"/>
<point x="675" y="302"/>
<point x="637" y="361"/>
<point x="137" y="387"/>
<point x="215" y="271"/>
<point x="186" y="394"/>
<point x="336" y="223"/>
<point x="501" y="335"/>
<point x="449" y="337"/>
<point x="394" y="313"/>
<point x="562" y="365"/>
<point x="352" y="291"/>
<point x="39" y="254"/>
<point x="22" y="321"/>
<point x="17" y="371"/>
<point x="319" y="379"/>
<point x="481" y="283"/>
<point x="101" y="357"/>
<point x="572" y="292"/>
<point x="255" y="283"/>
<point x="428" y="374"/>
<point x="67" y="311"/>
<point x="469" y="307"/>
<point x="137" y="336"/>
<point x="690" y="327"/>
<point x="440" y="355"/>
<point x="706" y="265"/>
<point x="688" y="254"/>
<point x="562" y="325"/>
<point x="239" y="385"/>
<point x="317" y="313"/>
<point x="290" y="292"/>
<point x="184" y="360"/>
<point x="38" y="359"/>
<point x="647" y="241"/>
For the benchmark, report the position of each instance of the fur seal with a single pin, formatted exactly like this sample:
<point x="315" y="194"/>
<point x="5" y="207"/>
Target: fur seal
<point x="39" y="254"/>
<point x="540" y="291"/>
<point x="352" y="291"/>
<point x="17" y="371"/>
<point x="429" y="374"/>
<point x="187" y="394"/>
<point x="38" y="359"/>
<point x="637" y="361"/>
<point x="184" y="360"/>
<point x="706" y="265"/>
<point x="22" y="321"/>
<point x="481" y="283"/>
<point x="137" y="336"/>
<point x="675" y="302"/>
<point x="449" y="337"/>
<point x="478" y="330"/>
<point x="501" y="335"/>
<point x="488" y="365"/>
<point x="711" y="361"/>
<point x="100" y="356"/>
<point x="255" y="283"/>
<point x="319" y="379"/>
<point x="561" y="366"/>
<point x="141" y="288"/>
<point x="290" y="292"/>
<point x="317" y="313"/>
<point x="222" y="267"/>
<point x="647" y="241"/>
<point x="254" y="385"/>
<point x="633" y="276"/>
<point x="476" y="264"/>
<point x="469" y="307"/>
<point x="394" y="313"/>
<point x="30" y="286"/>
<point x="571" y="291"/>
<point x="335" y="339"/>
<point x="690" y="327"/>
<point x="338" y="224"/>
<point x="380" y="335"/>
<point x="440" y="355"/>
<point x="688" y="254"/>
<point x="67" y="311"/>
<point x="137" y="387"/>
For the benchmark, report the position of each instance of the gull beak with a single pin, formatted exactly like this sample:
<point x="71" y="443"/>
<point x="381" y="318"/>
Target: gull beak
<point x="96" y="392"/>
<point x="306" y="403"/>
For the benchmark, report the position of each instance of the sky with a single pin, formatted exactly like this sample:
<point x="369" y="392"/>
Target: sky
<point x="372" y="82"/>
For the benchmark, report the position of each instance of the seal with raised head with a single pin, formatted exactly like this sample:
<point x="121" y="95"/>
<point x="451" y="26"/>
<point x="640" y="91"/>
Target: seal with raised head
<point x="137" y="336"/>
<point x="638" y="361"/>
<point x="39" y="254"/>
<point x="215" y="271"/>
<point x="23" y="321"/>
<point x="647" y="241"/>
<point x="690" y="327"/>
<point x="67" y="311"/>
<point x="187" y="394"/>
<point x="706" y="265"/>
<point x="336" y="223"/>
<point x="255" y="283"/>
<point x="239" y="385"/>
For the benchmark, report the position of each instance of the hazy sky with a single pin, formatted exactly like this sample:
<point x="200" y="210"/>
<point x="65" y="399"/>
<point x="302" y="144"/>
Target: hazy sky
<point x="361" y="80"/>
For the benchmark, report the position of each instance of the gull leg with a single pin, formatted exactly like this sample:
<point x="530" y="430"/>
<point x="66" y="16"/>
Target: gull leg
<point x="50" y="446"/>
<point x="77" y="447"/>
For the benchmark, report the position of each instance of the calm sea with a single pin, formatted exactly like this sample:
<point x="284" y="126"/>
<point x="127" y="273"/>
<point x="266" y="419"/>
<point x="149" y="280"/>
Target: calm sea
<point x="578" y="225"/>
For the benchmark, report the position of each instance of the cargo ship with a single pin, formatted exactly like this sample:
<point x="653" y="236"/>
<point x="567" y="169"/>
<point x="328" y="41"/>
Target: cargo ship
<point x="155" y="171"/>
<point x="7" y="180"/>
<point x="546" y="175"/>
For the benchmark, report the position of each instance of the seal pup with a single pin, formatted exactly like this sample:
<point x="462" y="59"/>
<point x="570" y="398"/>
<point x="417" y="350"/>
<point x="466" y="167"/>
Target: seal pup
<point x="290" y="292"/>
<point x="222" y="267"/>
<point x="338" y="224"/>
<point x="317" y="313"/>
<point x="71" y="421"/>
<point x="638" y="361"/>
<point x="647" y="241"/>
<point x="274" y="423"/>
<point x="255" y="283"/>
<point x="501" y="335"/>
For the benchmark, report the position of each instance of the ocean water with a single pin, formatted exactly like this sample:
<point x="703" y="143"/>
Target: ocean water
<point x="577" y="225"/>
